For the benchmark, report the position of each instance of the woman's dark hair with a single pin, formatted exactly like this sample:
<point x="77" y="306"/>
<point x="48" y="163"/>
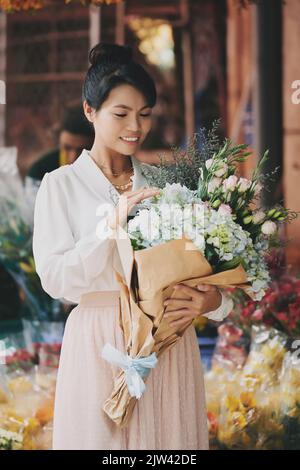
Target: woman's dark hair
<point x="112" y="65"/>
<point x="75" y="122"/>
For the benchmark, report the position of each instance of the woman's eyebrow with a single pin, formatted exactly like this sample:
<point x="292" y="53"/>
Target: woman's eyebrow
<point x="127" y="107"/>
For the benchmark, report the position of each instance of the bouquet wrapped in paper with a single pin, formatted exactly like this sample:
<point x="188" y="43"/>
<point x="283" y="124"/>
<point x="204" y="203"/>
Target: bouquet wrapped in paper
<point x="195" y="235"/>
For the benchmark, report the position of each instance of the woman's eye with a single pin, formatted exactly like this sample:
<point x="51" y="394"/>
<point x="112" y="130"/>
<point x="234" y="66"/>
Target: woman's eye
<point x="123" y="115"/>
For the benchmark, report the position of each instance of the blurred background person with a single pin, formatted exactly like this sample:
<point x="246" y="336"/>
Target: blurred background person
<point x="75" y="134"/>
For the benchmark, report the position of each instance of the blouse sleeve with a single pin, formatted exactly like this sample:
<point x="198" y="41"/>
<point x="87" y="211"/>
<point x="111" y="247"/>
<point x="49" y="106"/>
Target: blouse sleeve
<point x="66" y="268"/>
<point x="223" y="310"/>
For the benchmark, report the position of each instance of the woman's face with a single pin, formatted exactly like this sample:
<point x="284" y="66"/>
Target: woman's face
<point x="123" y="121"/>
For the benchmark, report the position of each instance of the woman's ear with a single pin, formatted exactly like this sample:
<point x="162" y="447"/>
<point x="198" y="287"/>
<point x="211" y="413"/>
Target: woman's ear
<point x="88" y="111"/>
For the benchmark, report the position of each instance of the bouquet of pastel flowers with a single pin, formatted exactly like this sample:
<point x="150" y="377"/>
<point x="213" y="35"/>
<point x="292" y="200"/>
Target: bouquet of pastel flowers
<point x="201" y="228"/>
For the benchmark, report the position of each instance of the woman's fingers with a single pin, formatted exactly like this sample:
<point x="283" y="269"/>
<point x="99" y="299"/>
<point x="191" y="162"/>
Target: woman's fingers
<point x="178" y="318"/>
<point x="205" y="287"/>
<point x="180" y="322"/>
<point x="176" y="304"/>
<point x="134" y="197"/>
<point x="140" y="197"/>
<point x="178" y="313"/>
<point x="143" y="194"/>
<point x="128" y="201"/>
<point x="131" y="194"/>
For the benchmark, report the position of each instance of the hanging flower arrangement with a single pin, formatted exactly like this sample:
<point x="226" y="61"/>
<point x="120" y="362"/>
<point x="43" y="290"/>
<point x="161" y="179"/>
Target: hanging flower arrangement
<point x="95" y="2"/>
<point x="11" y="6"/>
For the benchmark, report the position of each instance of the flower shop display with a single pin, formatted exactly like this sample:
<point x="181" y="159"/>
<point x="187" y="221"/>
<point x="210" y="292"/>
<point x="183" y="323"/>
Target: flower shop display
<point x="38" y="344"/>
<point x="17" y="206"/>
<point x="26" y="409"/>
<point x="290" y="397"/>
<point x="264" y="363"/>
<point x="256" y="406"/>
<point x="14" y="354"/>
<point x="11" y="6"/>
<point x="279" y="308"/>
<point x="231" y="349"/>
<point x="44" y="340"/>
<point x="27" y="389"/>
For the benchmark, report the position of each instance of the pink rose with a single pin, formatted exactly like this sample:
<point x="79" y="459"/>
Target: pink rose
<point x="230" y="183"/>
<point x="257" y="315"/>
<point x="224" y="209"/>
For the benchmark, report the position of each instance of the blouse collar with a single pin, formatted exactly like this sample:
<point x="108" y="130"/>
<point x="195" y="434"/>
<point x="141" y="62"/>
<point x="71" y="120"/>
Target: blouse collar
<point x="86" y="169"/>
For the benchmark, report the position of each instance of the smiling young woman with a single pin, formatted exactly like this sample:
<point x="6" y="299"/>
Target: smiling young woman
<point x="76" y="258"/>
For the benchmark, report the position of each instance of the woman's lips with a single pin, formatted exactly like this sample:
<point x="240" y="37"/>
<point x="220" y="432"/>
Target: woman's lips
<point x="130" y="142"/>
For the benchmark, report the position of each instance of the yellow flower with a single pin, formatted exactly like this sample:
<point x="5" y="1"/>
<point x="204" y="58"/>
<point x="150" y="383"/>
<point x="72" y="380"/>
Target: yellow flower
<point x="32" y="427"/>
<point x="232" y="403"/>
<point x="239" y="420"/>
<point x="251" y="381"/>
<point x="20" y="385"/>
<point x="248" y="400"/>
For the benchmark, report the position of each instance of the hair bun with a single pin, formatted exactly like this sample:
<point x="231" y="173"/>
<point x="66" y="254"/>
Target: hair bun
<point x="104" y="53"/>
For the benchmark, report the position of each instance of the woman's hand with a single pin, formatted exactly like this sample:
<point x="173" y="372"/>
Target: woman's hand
<point x="203" y="299"/>
<point x="126" y="203"/>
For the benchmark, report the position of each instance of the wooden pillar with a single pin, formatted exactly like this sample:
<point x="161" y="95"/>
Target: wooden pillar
<point x="120" y="23"/>
<point x="240" y="71"/>
<point x="269" y="91"/>
<point x="189" y="113"/>
<point x="291" y="125"/>
<point x="187" y="72"/>
<point x="95" y="25"/>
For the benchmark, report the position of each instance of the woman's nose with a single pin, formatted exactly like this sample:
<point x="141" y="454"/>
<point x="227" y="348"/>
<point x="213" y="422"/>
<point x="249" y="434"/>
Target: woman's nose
<point x="134" y="125"/>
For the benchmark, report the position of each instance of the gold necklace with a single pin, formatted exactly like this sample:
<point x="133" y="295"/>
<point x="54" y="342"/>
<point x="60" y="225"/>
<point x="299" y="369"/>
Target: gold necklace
<point x="122" y="187"/>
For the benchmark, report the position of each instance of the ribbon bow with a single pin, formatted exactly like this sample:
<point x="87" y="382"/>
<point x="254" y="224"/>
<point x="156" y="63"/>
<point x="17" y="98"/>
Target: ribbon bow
<point x="136" y="369"/>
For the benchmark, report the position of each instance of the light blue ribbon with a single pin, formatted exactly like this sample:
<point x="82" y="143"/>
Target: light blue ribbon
<point x="136" y="369"/>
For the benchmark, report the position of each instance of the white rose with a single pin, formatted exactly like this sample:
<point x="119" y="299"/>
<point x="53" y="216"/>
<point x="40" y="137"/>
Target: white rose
<point x="243" y="185"/>
<point x="230" y="183"/>
<point x="258" y="217"/>
<point x="222" y="170"/>
<point x="214" y="184"/>
<point x="209" y="163"/>
<point x="268" y="227"/>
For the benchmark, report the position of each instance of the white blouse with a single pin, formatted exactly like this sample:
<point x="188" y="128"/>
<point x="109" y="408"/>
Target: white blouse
<point x="72" y="248"/>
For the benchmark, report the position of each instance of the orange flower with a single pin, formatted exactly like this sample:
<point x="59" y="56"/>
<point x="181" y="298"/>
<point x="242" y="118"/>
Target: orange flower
<point x="212" y="422"/>
<point x="10" y="6"/>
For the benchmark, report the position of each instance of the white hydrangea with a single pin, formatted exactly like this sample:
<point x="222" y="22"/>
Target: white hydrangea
<point x="176" y="193"/>
<point x="178" y="212"/>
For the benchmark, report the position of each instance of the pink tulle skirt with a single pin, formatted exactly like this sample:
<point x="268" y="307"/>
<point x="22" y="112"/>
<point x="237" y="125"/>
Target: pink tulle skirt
<point x="171" y="414"/>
